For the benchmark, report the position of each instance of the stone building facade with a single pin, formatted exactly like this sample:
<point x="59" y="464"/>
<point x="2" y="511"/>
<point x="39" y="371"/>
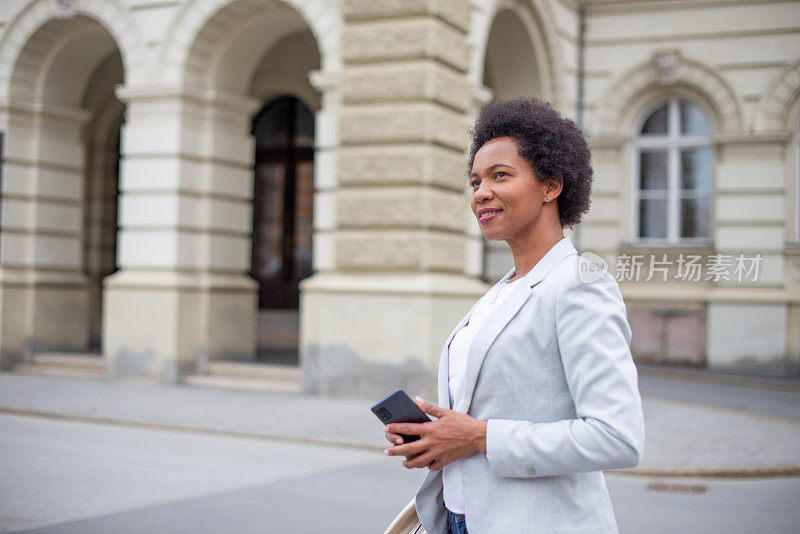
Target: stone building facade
<point x="182" y="179"/>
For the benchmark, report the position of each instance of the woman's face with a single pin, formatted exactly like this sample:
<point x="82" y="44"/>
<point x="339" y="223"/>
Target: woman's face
<point x="507" y="198"/>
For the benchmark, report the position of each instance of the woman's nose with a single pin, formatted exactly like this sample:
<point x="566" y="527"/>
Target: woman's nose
<point x="483" y="192"/>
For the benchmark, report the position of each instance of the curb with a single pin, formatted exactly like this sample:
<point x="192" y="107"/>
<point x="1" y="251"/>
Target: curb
<point x="746" y="381"/>
<point x="187" y="429"/>
<point x="787" y="471"/>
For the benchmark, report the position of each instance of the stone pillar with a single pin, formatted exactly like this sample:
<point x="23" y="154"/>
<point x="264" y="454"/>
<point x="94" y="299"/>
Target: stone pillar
<point x="43" y="295"/>
<point x="181" y="295"/>
<point x="377" y="318"/>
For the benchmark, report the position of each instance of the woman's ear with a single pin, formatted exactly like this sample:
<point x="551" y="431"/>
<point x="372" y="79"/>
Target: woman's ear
<point x="553" y="187"/>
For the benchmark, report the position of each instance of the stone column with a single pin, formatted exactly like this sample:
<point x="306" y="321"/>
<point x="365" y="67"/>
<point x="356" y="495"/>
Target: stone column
<point x="377" y="318"/>
<point x="43" y="294"/>
<point x="181" y="295"/>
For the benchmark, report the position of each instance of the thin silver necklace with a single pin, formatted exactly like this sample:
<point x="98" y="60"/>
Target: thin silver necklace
<point x="500" y="289"/>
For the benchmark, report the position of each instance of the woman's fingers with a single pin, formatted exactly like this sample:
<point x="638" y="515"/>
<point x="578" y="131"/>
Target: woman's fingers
<point x="409" y="429"/>
<point x="394" y="439"/>
<point x="420" y="460"/>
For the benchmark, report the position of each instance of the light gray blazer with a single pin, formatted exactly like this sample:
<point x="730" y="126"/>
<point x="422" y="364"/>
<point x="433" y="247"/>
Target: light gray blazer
<point x="552" y="373"/>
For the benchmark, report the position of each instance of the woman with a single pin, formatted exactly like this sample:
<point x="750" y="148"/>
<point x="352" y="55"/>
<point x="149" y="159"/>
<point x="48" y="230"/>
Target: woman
<point x="538" y="376"/>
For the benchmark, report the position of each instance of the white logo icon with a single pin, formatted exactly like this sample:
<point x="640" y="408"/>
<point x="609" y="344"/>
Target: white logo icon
<point x="591" y="267"/>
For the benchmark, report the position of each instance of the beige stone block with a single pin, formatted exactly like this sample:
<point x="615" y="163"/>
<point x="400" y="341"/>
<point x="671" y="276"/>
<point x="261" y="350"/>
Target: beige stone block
<point x="139" y="173"/>
<point x="17" y="213"/>
<point x="399" y="250"/>
<point x="58" y="252"/>
<point x="160" y="325"/>
<point x="401" y="324"/>
<point x="13" y="323"/>
<point x="456" y="12"/>
<point x="604" y="209"/>
<point x="58" y="183"/>
<point x="749" y="238"/>
<point x="59" y="217"/>
<point x="229" y="215"/>
<point x="403" y="123"/>
<point x="753" y="169"/>
<point x="224" y="179"/>
<point x="219" y="252"/>
<point x="324" y="255"/>
<point x="60" y="316"/>
<point x="324" y="210"/>
<point x="610" y="171"/>
<point x="750" y="208"/>
<point x="15" y="248"/>
<point x="157" y="248"/>
<point x="402" y="164"/>
<point x="401" y="207"/>
<point x="48" y="307"/>
<point x="599" y="236"/>
<point x="65" y="149"/>
<point x="149" y="210"/>
<point x="405" y="39"/>
<point x="412" y="81"/>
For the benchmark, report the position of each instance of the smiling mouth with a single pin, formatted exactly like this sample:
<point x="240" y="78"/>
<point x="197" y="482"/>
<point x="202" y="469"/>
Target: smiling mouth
<point x="488" y="215"/>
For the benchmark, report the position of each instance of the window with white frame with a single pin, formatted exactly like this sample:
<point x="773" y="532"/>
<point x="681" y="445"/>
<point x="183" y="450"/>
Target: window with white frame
<point x="672" y="175"/>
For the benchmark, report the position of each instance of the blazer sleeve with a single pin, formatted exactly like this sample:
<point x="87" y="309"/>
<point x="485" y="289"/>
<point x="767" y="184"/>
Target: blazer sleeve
<point x="593" y="337"/>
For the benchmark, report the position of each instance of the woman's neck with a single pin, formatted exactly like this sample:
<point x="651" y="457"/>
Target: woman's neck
<point x="527" y="252"/>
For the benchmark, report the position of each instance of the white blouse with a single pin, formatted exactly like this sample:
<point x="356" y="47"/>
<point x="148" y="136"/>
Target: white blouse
<point x="457" y="360"/>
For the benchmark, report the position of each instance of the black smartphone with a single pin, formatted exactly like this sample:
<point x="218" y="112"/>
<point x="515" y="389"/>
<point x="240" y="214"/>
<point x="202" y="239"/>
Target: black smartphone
<point x="399" y="408"/>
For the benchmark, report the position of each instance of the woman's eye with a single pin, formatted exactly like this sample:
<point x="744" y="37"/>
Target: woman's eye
<point x="500" y="174"/>
<point x="474" y="184"/>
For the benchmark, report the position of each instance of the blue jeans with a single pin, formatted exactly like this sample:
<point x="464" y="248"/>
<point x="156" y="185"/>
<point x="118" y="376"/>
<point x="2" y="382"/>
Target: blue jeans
<point x="458" y="524"/>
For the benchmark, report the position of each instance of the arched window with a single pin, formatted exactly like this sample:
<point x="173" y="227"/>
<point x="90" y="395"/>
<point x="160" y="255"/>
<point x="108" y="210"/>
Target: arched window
<point x="673" y="175"/>
<point x="282" y="201"/>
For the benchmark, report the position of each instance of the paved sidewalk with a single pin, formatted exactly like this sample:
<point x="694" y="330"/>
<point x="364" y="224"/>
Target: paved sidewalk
<point x="683" y="438"/>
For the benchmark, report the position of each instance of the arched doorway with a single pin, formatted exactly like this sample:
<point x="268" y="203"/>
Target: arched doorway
<point x="283" y="189"/>
<point x="61" y="112"/>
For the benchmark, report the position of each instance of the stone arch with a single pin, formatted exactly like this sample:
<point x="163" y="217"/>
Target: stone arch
<point x="667" y="73"/>
<point x="205" y="22"/>
<point x="24" y="44"/>
<point x="537" y="18"/>
<point x="775" y="110"/>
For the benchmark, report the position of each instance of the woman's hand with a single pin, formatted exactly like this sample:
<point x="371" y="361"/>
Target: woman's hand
<point x="450" y="437"/>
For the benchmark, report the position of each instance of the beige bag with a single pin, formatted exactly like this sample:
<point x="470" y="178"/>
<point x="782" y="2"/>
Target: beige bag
<point x="406" y="522"/>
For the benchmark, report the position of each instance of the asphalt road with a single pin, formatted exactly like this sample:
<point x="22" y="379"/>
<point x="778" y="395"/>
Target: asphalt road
<point x="73" y="477"/>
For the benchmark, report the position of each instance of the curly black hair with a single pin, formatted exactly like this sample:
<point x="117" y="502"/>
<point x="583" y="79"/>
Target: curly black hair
<point x="553" y="145"/>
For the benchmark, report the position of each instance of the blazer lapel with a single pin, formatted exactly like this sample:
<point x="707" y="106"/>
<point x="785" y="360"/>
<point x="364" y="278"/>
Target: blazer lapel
<point x="507" y="310"/>
<point x="444" y="359"/>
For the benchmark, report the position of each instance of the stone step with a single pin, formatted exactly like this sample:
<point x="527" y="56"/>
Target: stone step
<point x="58" y="371"/>
<point x="278" y="328"/>
<point x="70" y="360"/>
<point x="242" y="383"/>
<point x="264" y="371"/>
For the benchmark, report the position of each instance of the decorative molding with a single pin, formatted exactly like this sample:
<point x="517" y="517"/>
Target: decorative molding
<point x="778" y="100"/>
<point x="540" y="23"/>
<point x="189" y="23"/>
<point x="66" y="9"/>
<point x="22" y="43"/>
<point x="666" y="70"/>
<point x="666" y="63"/>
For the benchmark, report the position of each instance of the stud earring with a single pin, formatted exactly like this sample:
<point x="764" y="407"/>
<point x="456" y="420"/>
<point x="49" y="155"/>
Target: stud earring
<point x="547" y="199"/>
